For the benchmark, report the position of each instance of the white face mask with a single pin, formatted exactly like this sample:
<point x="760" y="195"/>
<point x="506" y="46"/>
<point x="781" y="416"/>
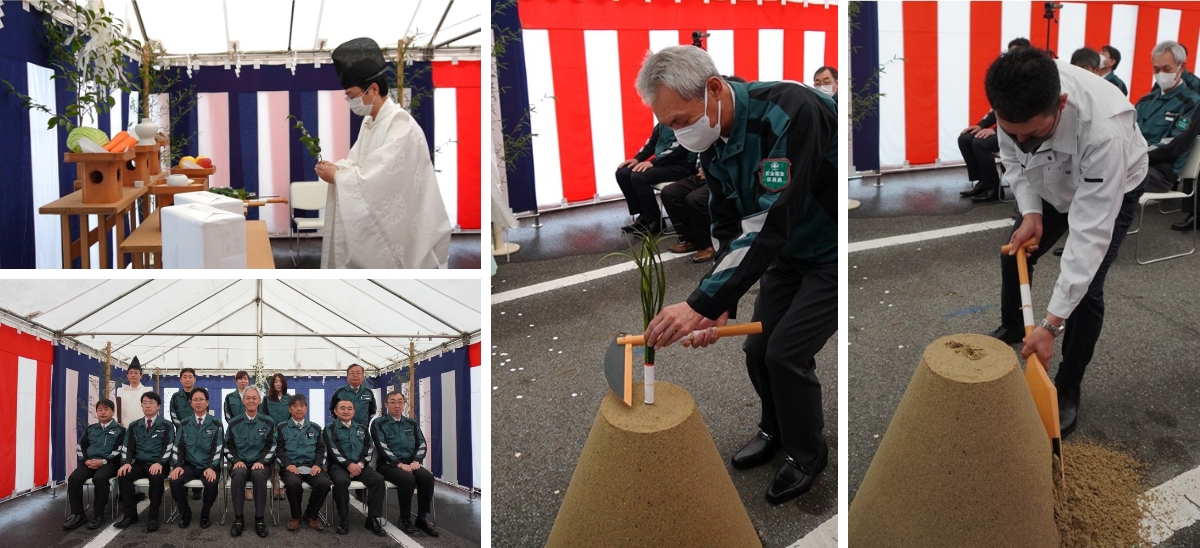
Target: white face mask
<point x="1166" y="80"/>
<point x="826" y="89"/>
<point x="700" y="135"/>
<point x="1104" y="61"/>
<point x="360" y="108"/>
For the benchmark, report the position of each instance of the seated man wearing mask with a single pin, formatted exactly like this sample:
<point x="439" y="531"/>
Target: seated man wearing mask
<point x="384" y="209"/>
<point x="661" y="160"/>
<point x="1166" y="117"/>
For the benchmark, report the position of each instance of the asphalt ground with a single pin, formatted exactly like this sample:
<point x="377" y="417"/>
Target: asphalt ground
<point x="36" y="520"/>
<point x="1141" y="388"/>
<point x="548" y="383"/>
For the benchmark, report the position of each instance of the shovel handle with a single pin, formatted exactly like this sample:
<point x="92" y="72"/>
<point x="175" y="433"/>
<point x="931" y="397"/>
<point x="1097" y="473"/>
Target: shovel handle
<point x="1023" y="277"/>
<point x="751" y="328"/>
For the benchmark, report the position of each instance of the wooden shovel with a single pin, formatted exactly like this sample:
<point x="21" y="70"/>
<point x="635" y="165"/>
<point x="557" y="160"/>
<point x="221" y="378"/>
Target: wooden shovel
<point x="618" y="358"/>
<point x="1045" y="396"/>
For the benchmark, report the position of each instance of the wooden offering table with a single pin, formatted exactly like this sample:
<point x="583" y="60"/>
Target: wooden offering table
<point x="165" y="194"/>
<point x="145" y="244"/>
<point x="107" y="215"/>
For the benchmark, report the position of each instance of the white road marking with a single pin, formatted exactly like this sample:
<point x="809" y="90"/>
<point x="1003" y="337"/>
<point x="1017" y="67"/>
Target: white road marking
<point x="928" y="235"/>
<point x="824" y="536"/>
<point x="568" y="281"/>
<point x="391" y="530"/>
<point x="109" y="533"/>
<point x="1174" y="505"/>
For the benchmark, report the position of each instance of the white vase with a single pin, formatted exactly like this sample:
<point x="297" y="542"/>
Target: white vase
<point x="145" y="132"/>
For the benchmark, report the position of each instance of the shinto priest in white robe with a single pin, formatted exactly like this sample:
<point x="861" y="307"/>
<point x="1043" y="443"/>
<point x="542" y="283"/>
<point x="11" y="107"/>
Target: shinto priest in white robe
<point x="385" y="210"/>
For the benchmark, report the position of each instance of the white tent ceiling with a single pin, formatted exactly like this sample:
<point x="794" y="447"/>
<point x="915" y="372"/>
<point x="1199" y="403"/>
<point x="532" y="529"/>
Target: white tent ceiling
<point x="307" y="326"/>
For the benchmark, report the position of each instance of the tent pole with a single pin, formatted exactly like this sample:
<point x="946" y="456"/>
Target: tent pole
<point x="412" y="376"/>
<point x="107" y="304"/>
<point x="334" y="312"/>
<point x="412" y="304"/>
<point x="107" y="369"/>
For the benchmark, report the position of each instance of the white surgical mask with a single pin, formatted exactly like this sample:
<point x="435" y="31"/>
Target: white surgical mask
<point x="700" y="135"/>
<point x="826" y="89"/>
<point x="1104" y="61"/>
<point x="360" y="108"/>
<point x="1166" y="80"/>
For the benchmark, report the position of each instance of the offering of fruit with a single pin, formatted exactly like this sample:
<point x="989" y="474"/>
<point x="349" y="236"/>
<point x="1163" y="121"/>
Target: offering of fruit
<point x="188" y="162"/>
<point x="204" y="162"/>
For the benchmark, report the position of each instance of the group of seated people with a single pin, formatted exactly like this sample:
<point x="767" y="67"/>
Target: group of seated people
<point x="1165" y="117"/>
<point x="259" y="438"/>
<point x="663" y="160"/>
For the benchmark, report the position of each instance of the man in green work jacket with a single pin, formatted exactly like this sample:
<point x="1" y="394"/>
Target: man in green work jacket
<point x="99" y="454"/>
<point x="198" y="445"/>
<point x="401" y="448"/>
<point x="769" y="151"/>
<point x="146" y="454"/>
<point x="355" y="391"/>
<point x="1166" y="117"/>
<point x="249" y="450"/>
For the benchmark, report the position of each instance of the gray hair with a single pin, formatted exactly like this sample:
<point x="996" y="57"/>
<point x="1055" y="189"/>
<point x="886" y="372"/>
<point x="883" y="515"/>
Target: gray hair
<point x="254" y="388"/>
<point x="684" y="69"/>
<point x="1174" y="48"/>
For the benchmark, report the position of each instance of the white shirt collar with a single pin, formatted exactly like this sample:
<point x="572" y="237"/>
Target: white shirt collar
<point x="150" y="420"/>
<point x="104" y="426"/>
<point x="299" y="424"/>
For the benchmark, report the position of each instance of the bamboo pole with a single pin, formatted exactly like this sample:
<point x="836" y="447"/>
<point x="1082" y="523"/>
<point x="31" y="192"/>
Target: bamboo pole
<point x="107" y="369"/>
<point x="145" y="81"/>
<point x="400" y="72"/>
<point x="412" y="376"/>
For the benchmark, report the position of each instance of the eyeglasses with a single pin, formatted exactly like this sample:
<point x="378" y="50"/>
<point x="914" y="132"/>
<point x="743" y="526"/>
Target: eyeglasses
<point x="349" y="98"/>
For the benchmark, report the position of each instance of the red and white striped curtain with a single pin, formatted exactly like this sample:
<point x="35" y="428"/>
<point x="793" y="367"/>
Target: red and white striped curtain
<point x="582" y="59"/>
<point x="25" y="373"/>
<point x="943" y="50"/>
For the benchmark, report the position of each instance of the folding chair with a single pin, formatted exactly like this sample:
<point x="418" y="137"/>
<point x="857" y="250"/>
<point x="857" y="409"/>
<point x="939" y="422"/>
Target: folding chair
<point x="307" y="195"/>
<point x="112" y="492"/>
<point x="1189" y="173"/>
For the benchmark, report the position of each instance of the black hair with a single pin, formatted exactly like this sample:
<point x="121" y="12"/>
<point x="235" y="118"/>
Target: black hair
<point x="201" y="390"/>
<point x="298" y="398"/>
<point x="380" y="81"/>
<point x="187" y="370"/>
<point x="271" y="393"/>
<point x="1086" y="58"/>
<point x="106" y="403"/>
<point x="395" y="393"/>
<point x="1114" y="55"/>
<point x="1022" y="84"/>
<point x="831" y="70"/>
<point x="340" y="402"/>
<point x="241" y="374"/>
<point x="157" y="399"/>
<point x="1020" y="43"/>
<point x="353" y="365"/>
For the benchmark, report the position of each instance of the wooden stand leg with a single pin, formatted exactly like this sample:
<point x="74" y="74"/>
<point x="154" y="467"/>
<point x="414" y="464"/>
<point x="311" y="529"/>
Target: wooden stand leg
<point x="102" y="232"/>
<point x="66" y="241"/>
<point x="85" y="246"/>
<point x="157" y="260"/>
<point x="121" y="237"/>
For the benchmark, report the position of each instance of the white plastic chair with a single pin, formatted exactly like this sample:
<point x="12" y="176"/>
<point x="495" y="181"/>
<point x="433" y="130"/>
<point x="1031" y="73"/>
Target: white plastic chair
<point x="307" y="195"/>
<point x="194" y="484"/>
<point x="112" y="498"/>
<point x="1189" y="173"/>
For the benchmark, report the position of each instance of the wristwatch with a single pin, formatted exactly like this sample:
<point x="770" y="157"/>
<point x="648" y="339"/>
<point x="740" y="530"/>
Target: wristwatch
<point x="1056" y="331"/>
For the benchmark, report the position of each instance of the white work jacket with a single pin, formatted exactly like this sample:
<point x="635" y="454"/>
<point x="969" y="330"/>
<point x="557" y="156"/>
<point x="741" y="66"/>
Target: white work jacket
<point x="1096" y="155"/>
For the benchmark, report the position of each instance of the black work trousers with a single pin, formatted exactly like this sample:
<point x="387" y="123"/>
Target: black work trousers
<point x="1086" y="321"/>
<point x="686" y="202"/>
<point x="258" y="478"/>
<point x="799" y="314"/>
<point x="421" y="479"/>
<point x="638" y="188"/>
<point x="979" y="154"/>
<point x="137" y="471"/>
<point x="376" y="490"/>
<point x="100" y="478"/>
<point x="319" y="484"/>
<point x="179" y="493"/>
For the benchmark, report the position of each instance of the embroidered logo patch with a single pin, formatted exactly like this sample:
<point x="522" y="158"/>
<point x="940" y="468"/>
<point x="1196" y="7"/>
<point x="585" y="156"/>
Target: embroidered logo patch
<point x="311" y="435"/>
<point x="1182" y="124"/>
<point x="262" y="431"/>
<point x="774" y="174"/>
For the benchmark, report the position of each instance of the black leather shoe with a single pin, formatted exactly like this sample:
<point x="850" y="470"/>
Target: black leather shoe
<point x="185" y="519"/>
<point x="792" y="481"/>
<point x="757" y="452"/>
<point x="373" y="526"/>
<point x="1068" y="410"/>
<point x="1009" y="336"/>
<point x="75" y="521"/>
<point x="152" y="526"/>
<point x="407" y="526"/>
<point x="98" y="521"/>
<point x="260" y="527"/>
<point x="204" y="521"/>
<point x="975" y="190"/>
<point x="125" y="522"/>
<point x="989" y="195"/>
<point x="427" y="527"/>
<point x="1188" y="223"/>
<point x="239" y="523"/>
<point x="343" y="527"/>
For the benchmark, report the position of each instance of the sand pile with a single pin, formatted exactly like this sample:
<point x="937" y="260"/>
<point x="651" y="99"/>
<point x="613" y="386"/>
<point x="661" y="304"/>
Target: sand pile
<point x="1102" y="504"/>
<point x="965" y="460"/>
<point x="650" y="476"/>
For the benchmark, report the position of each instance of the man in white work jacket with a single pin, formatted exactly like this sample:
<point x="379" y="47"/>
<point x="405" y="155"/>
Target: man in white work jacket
<point x="383" y="209"/>
<point x="1077" y="164"/>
